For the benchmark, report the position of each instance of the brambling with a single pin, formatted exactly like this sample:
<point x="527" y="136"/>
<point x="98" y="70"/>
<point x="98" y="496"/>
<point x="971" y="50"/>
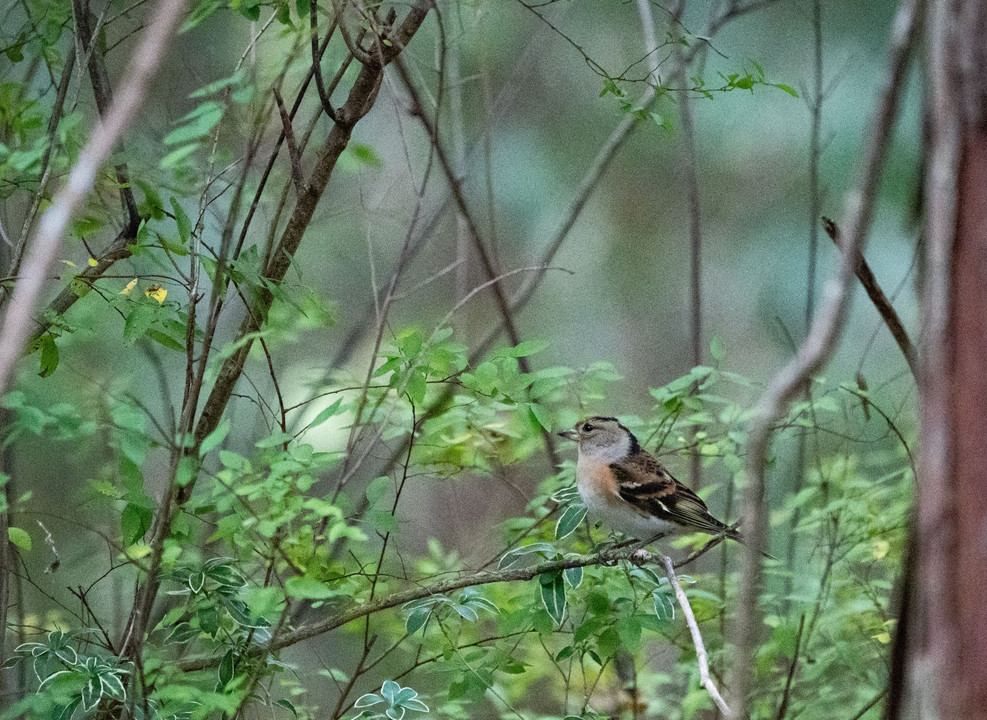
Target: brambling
<point x="626" y="487"/>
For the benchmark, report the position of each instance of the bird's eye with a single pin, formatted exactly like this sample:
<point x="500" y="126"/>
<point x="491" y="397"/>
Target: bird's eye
<point x="587" y="427"/>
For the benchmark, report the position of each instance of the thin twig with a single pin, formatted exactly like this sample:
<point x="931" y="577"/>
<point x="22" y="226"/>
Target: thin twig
<point x="697" y="640"/>
<point x="884" y="307"/>
<point x="817" y="348"/>
<point x="289" y="136"/>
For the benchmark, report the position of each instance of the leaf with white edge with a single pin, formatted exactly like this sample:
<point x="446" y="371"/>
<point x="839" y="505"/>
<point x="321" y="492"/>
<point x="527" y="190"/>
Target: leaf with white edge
<point x="573" y="576"/>
<point x="227" y="667"/>
<point x="287" y="706"/>
<point x="569" y="520"/>
<point x="368" y="700"/>
<point x="395" y="713"/>
<point x="512" y="556"/>
<point x="466" y="612"/>
<point x="664" y="606"/>
<point x="90" y="695"/>
<point x="389" y="691"/>
<point x="416" y="620"/>
<point x="416" y="705"/>
<point x="553" y="595"/>
<point x="112" y="686"/>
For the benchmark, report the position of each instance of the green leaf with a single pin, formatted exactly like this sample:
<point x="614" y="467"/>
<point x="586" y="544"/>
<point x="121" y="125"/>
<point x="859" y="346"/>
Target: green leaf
<point x="569" y="520"/>
<point x="184" y="224"/>
<point x="164" y="339"/>
<point x="542" y="415"/>
<point x="307" y="587"/>
<point x="302" y="7"/>
<point x="377" y="488"/>
<point x="786" y="88"/>
<point x="49" y="356"/>
<point x="327" y="413"/>
<point x="135" y="521"/>
<point x="717" y="348"/>
<point x="416" y="387"/>
<point x="216" y="437"/>
<point x="227" y="668"/>
<point x="138" y="321"/>
<point x="553" y="595"/>
<point x="523" y="349"/>
<point x="19" y="537"/>
<point x="573" y="576"/>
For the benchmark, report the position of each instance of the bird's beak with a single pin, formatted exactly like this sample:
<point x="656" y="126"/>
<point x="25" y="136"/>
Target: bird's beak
<point x="569" y="435"/>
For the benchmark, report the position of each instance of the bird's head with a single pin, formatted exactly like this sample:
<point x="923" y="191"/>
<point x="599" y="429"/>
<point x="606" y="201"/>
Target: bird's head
<point x="602" y="438"/>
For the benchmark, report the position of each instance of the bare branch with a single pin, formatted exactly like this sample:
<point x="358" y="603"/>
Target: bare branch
<point x="817" y="348"/>
<point x="884" y="307"/>
<point x="44" y="246"/>
<point x="697" y="640"/>
<point x="289" y="136"/>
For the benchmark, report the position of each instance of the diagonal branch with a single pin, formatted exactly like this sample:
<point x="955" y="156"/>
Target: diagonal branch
<point x="697" y="640"/>
<point x="884" y="307"/>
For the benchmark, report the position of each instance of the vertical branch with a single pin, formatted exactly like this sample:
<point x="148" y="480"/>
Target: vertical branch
<point x="816" y="350"/>
<point x="690" y="168"/>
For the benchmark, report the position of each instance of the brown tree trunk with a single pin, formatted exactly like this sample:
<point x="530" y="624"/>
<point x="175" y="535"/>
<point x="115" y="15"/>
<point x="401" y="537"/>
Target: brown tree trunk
<point x="947" y="658"/>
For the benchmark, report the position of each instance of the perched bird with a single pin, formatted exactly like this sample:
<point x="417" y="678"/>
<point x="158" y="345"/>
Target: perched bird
<point x="623" y="485"/>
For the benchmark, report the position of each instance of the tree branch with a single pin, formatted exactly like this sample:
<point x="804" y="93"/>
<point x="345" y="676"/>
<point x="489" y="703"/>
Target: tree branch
<point x="697" y="640"/>
<point x="884" y="307"/>
<point x="360" y="610"/>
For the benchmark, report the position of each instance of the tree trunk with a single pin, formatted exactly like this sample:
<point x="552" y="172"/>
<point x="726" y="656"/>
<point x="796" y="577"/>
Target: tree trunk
<point x="947" y="656"/>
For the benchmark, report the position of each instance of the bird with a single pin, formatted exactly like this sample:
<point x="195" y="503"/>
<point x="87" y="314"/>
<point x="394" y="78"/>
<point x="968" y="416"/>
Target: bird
<point x="623" y="485"/>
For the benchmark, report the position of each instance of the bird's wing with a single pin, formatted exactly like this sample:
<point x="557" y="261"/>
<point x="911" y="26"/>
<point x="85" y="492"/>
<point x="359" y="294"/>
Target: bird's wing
<point x="650" y="488"/>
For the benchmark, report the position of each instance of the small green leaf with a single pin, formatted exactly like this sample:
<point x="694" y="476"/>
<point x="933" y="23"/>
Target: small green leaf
<point x="184" y="224"/>
<point x="135" y="521"/>
<point x="138" y="321"/>
<point x="553" y="595"/>
<point x="377" y="488"/>
<point x="227" y="668"/>
<point x="327" y="413"/>
<point x="416" y="387"/>
<point x="216" y="437"/>
<point x="569" y="520"/>
<point x="19" y="537"/>
<point x="49" y="356"/>
<point x="307" y="587"/>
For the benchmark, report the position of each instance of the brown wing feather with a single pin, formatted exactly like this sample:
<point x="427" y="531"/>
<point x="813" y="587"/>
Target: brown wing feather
<point x="649" y="487"/>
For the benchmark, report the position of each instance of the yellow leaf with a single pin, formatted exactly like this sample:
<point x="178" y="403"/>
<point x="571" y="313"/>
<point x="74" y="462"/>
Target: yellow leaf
<point x="69" y="263"/>
<point x="130" y="286"/>
<point x="157" y="292"/>
<point x="883" y="638"/>
<point x="880" y="549"/>
<point x="93" y="262"/>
